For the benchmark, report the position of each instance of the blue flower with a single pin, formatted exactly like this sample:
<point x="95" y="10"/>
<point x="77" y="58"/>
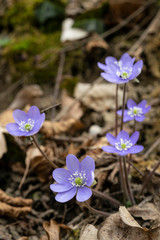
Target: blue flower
<point x="135" y="111"/>
<point x="123" y="144"/>
<point x="121" y="71"/>
<point x="26" y="124"/>
<point x="75" y="180"/>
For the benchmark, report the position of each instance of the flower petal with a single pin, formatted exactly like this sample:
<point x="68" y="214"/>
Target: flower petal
<point x="110" y="77"/>
<point x="61" y="175"/>
<point x="142" y="104"/>
<point x="123" y="134"/>
<point x="126" y="60"/>
<point x="140" y="119"/>
<point x="87" y="165"/>
<point x="102" y="66"/>
<point x="111" y="139"/>
<point x="134" y="137"/>
<point x="83" y="194"/>
<point x="135" y="149"/>
<point x="146" y="110"/>
<point x="136" y="70"/>
<point x="89" y="178"/>
<point x="131" y="103"/>
<point x="127" y="118"/>
<point x="34" y="113"/>
<point x="110" y="59"/>
<point x="13" y="129"/>
<point x="20" y="116"/>
<point x="57" y="187"/>
<point x="123" y="153"/>
<point x="72" y="163"/>
<point x="66" y="196"/>
<point x="109" y="149"/>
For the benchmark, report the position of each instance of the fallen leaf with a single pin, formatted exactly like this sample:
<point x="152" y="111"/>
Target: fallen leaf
<point x="89" y="233"/>
<point x="52" y="229"/>
<point x="122" y="226"/>
<point x="28" y="95"/>
<point x="75" y="112"/>
<point x="38" y="163"/>
<point x="3" y="145"/>
<point x="13" y="212"/>
<point x="100" y="97"/>
<point x="53" y="128"/>
<point x="147" y="212"/>
<point x="17" y="201"/>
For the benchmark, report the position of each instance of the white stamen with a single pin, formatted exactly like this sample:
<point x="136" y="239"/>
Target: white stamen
<point x="123" y="144"/>
<point x="76" y="175"/>
<point x="135" y="111"/>
<point x="26" y="126"/>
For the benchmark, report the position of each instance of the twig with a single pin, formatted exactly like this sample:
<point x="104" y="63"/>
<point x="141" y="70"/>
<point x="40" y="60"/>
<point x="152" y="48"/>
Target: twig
<point x="154" y="24"/>
<point x="58" y="80"/>
<point x="152" y="147"/>
<point x="52" y="106"/>
<point x="149" y="177"/>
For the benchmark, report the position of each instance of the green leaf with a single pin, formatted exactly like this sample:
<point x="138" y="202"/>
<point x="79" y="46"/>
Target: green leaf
<point x="48" y="10"/>
<point x="4" y="41"/>
<point x="90" y="25"/>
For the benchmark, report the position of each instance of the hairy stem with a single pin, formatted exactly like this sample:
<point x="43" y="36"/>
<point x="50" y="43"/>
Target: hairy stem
<point x="96" y="211"/>
<point x="130" y="194"/>
<point x="106" y="197"/>
<point x="123" y="105"/>
<point x="116" y="116"/>
<point x="33" y="138"/>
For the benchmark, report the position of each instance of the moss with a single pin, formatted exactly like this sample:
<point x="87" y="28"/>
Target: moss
<point x="20" y="13"/>
<point x="69" y="84"/>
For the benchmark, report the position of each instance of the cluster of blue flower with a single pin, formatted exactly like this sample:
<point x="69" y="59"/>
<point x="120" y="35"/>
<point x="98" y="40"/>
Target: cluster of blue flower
<point x="79" y="176"/>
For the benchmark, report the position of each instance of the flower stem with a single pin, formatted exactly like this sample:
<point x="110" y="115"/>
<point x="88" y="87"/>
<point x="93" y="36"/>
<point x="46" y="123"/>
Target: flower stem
<point x="116" y="116"/>
<point x="130" y="156"/>
<point x="33" y="138"/>
<point x="123" y="105"/>
<point x="130" y="194"/>
<point x="97" y="211"/>
<point x="122" y="178"/>
<point x="106" y="197"/>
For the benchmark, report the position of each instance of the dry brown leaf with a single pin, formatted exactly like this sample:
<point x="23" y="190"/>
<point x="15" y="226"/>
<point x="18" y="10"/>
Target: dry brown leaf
<point x="122" y="226"/>
<point x="3" y="145"/>
<point x="147" y="212"/>
<point x="38" y="163"/>
<point x="52" y="229"/>
<point x="127" y="218"/>
<point x="75" y="112"/>
<point x="17" y="201"/>
<point x="23" y="238"/>
<point x="13" y="212"/>
<point x="100" y="97"/>
<point x="52" y="128"/>
<point x="89" y="233"/>
<point x="27" y="95"/>
<point x="6" y="117"/>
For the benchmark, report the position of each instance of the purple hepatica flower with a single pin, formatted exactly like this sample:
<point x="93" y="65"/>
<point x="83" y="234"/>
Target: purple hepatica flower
<point x="121" y="71"/>
<point x="135" y="111"/>
<point x="123" y="144"/>
<point x="75" y="180"/>
<point x="26" y="124"/>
